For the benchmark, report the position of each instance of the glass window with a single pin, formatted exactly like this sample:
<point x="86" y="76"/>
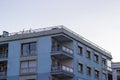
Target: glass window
<point x="33" y="48"/>
<point x="24" y="64"/>
<point x="104" y="63"/>
<point x="96" y="73"/>
<point x="96" y="58"/>
<point x="24" y="67"/>
<point x="29" y="49"/>
<point x="88" y="54"/>
<point x="25" y="49"/>
<point x="88" y="70"/>
<point x="80" y="67"/>
<point x="80" y="50"/>
<point x="32" y="64"/>
<point x="28" y="66"/>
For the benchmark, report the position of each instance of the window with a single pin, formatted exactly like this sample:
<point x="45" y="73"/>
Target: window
<point x="28" y="49"/>
<point x="96" y="58"/>
<point x="3" y="51"/>
<point x="104" y="63"/>
<point x="80" y="67"/>
<point x="96" y="73"/>
<point x="28" y="66"/>
<point x="104" y="76"/>
<point x="80" y="50"/>
<point x="88" y="70"/>
<point x="88" y="54"/>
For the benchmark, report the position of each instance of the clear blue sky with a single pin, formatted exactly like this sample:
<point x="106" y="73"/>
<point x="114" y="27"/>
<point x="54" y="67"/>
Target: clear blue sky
<point x="96" y="20"/>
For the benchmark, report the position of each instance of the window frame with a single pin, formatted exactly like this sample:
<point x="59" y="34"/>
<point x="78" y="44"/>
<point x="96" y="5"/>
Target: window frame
<point x="88" y="54"/>
<point x="80" y="50"/>
<point x="29" y="49"/>
<point x="28" y="66"/>
<point x="80" y="67"/>
<point x="88" y="70"/>
<point x="96" y="58"/>
<point x="96" y="73"/>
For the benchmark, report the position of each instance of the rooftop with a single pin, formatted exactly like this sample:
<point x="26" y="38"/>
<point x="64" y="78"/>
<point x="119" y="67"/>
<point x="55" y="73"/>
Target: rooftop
<point x="6" y="34"/>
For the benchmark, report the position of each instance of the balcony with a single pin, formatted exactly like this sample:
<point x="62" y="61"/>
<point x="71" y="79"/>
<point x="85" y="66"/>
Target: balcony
<point x="3" y="69"/>
<point x="3" y="51"/>
<point x="104" y="67"/>
<point x="62" y="52"/>
<point x="62" y="72"/>
<point x="30" y="70"/>
<point x="3" y="74"/>
<point x="3" y="55"/>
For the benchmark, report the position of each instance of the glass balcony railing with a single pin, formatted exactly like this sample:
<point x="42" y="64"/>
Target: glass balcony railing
<point x="3" y="55"/>
<point x="62" y="68"/>
<point x="62" y="48"/>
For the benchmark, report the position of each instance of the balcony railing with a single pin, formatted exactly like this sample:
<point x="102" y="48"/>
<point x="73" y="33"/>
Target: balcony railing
<point x="2" y="74"/>
<point x="62" y="68"/>
<point x="3" y="55"/>
<point x="109" y="68"/>
<point x="28" y="70"/>
<point x="62" y="48"/>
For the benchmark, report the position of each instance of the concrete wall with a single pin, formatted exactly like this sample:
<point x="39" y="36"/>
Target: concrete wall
<point x="13" y="60"/>
<point x="44" y="58"/>
<point x="90" y="62"/>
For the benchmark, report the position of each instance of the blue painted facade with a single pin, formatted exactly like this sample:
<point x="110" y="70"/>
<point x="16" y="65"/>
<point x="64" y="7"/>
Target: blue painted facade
<point x="57" y="58"/>
<point x="13" y="60"/>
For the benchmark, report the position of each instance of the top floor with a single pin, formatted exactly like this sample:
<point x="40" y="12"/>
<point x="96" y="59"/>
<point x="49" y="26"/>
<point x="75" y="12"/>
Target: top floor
<point x="116" y="65"/>
<point x="51" y="31"/>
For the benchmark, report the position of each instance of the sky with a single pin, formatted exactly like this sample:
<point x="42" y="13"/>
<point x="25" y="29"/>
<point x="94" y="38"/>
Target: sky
<point x="96" y="20"/>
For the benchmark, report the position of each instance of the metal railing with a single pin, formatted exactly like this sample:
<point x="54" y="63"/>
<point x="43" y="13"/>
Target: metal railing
<point x="62" y="48"/>
<point x="62" y="68"/>
<point x="53" y="28"/>
<point x="35" y="30"/>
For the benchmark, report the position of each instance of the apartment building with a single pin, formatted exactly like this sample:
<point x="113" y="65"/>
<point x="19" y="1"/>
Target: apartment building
<point x="116" y="70"/>
<point x="53" y="53"/>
